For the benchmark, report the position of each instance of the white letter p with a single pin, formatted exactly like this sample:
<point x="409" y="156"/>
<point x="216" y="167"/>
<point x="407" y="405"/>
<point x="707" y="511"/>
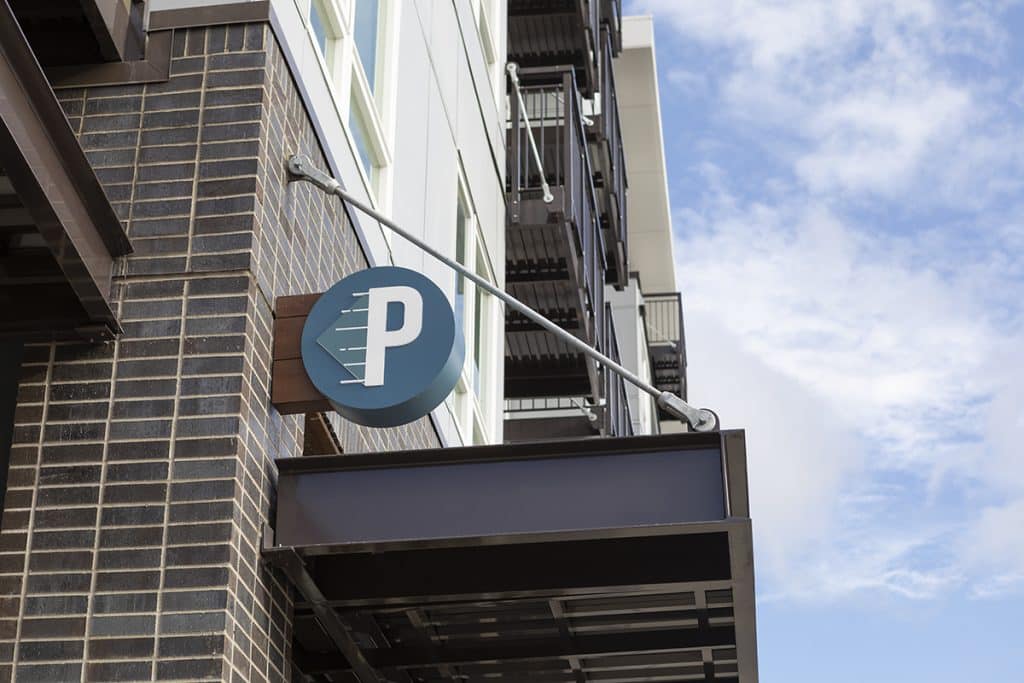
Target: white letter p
<point x="379" y="338"/>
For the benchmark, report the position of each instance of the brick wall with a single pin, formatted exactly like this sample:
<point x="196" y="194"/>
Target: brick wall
<point x="141" y="471"/>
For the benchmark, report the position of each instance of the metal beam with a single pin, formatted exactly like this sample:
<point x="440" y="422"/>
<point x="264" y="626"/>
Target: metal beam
<point x="424" y="630"/>
<point x="537" y="649"/>
<point x="558" y="613"/>
<point x="294" y="567"/>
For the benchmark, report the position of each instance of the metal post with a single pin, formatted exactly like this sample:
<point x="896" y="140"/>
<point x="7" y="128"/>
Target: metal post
<point x="700" y="419"/>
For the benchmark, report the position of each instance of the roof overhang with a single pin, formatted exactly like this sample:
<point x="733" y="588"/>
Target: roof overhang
<point x="601" y="559"/>
<point x="59" y="234"/>
<point x="651" y="246"/>
<point x="76" y="32"/>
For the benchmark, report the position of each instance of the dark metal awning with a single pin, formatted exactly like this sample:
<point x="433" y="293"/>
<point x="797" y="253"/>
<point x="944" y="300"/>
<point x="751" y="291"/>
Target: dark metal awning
<point x="77" y="32"/>
<point x="59" y="235"/>
<point x="590" y="560"/>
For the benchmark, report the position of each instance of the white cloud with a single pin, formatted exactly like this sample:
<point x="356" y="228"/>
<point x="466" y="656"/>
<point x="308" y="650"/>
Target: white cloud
<point x="841" y="312"/>
<point x="849" y="363"/>
<point x="688" y="81"/>
<point x="875" y="139"/>
<point x="863" y="85"/>
<point x="862" y="313"/>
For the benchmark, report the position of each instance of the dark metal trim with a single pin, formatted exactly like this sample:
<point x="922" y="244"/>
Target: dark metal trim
<point x="11" y="352"/>
<point x="735" y="448"/>
<point x="214" y="15"/>
<point x="633" y="444"/>
<point x="117" y="26"/>
<point x="741" y="554"/>
<point x="529" y="649"/>
<point x="43" y="105"/>
<point x="155" y="68"/>
<point x="652" y="531"/>
<point x="289" y="561"/>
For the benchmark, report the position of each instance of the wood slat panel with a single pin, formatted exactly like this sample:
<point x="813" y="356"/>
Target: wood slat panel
<point x="294" y="306"/>
<point x="291" y="390"/>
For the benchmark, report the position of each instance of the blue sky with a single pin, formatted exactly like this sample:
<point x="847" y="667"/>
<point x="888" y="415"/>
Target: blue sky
<point x="847" y="180"/>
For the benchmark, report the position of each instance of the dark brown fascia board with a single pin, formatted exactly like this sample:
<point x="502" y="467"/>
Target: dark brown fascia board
<point x="211" y="15"/>
<point x="469" y="542"/>
<point x="155" y="68"/>
<point x="55" y="182"/>
<point x="58" y="212"/>
<point x="111" y="22"/>
<point x="33" y="100"/>
<point x="551" y="449"/>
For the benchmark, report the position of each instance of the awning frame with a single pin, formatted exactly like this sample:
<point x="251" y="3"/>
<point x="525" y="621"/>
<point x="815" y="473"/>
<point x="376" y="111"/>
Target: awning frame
<point x="348" y="619"/>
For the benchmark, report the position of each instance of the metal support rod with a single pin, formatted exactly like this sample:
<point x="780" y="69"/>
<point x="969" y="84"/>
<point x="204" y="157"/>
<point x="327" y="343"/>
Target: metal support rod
<point x="513" y="74"/>
<point x="700" y="419"/>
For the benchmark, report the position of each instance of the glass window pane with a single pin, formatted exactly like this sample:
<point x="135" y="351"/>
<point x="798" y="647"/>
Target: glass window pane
<point x="461" y="220"/>
<point x="361" y="138"/>
<point x="478" y="333"/>
<point x="479" y="308"/>
<point x="367" y="16"/>
<point x="319" y="25"/>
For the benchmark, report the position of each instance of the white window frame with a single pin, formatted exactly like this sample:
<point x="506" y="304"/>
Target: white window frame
<point x="486" y="19"/>
<point x="476" y="414"/>
<point x="349" y="88"/>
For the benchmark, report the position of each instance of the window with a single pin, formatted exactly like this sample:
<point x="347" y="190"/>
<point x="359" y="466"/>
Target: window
<point x="353" y="39"/>
<point x="324" y="26"/>
<point x="361" y="137"/>
<point x="487" y="24"/>
<point x="367" y="27"/>
<point x="318" y="23"/>
<point x="475" y="395"/>
<point x="481" y="304"/>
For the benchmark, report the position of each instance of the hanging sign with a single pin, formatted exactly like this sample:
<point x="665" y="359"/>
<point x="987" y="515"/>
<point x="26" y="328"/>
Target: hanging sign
<point x="381" y="345"/>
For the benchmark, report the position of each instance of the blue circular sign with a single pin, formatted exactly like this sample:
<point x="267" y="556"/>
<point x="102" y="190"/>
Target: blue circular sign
<point x="382" y="346"/>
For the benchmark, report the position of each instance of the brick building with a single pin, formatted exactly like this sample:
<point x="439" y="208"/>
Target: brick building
<point x="149" y="231"/>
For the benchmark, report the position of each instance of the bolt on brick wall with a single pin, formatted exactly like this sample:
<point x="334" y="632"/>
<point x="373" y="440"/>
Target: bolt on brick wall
<point x="142" y="469"/>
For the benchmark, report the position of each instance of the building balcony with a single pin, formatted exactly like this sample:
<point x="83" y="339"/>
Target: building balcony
<point x="666" y="340"/>
<point x="617" y="420"/>
<point x="549" y="33"/>
<point x="611" y="20"/>
<point x="573" y="417"/>
<point x="554" y="249"/>
<point x="610" y="169"/>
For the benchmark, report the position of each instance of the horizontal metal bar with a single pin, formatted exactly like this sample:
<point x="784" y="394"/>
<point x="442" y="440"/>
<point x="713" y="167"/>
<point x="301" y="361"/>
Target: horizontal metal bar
<point x="526" y="649"/>
<point x="701" y="420"/>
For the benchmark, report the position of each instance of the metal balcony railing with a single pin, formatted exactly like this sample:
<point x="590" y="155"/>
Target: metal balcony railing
<point x="610" y="160"/>
<point x="617" y="420"/>
<point x="557" y="242"/>
<point x="608" y="416"/>
<point x="666" y="341"/>
<point x="611" y="16"/>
